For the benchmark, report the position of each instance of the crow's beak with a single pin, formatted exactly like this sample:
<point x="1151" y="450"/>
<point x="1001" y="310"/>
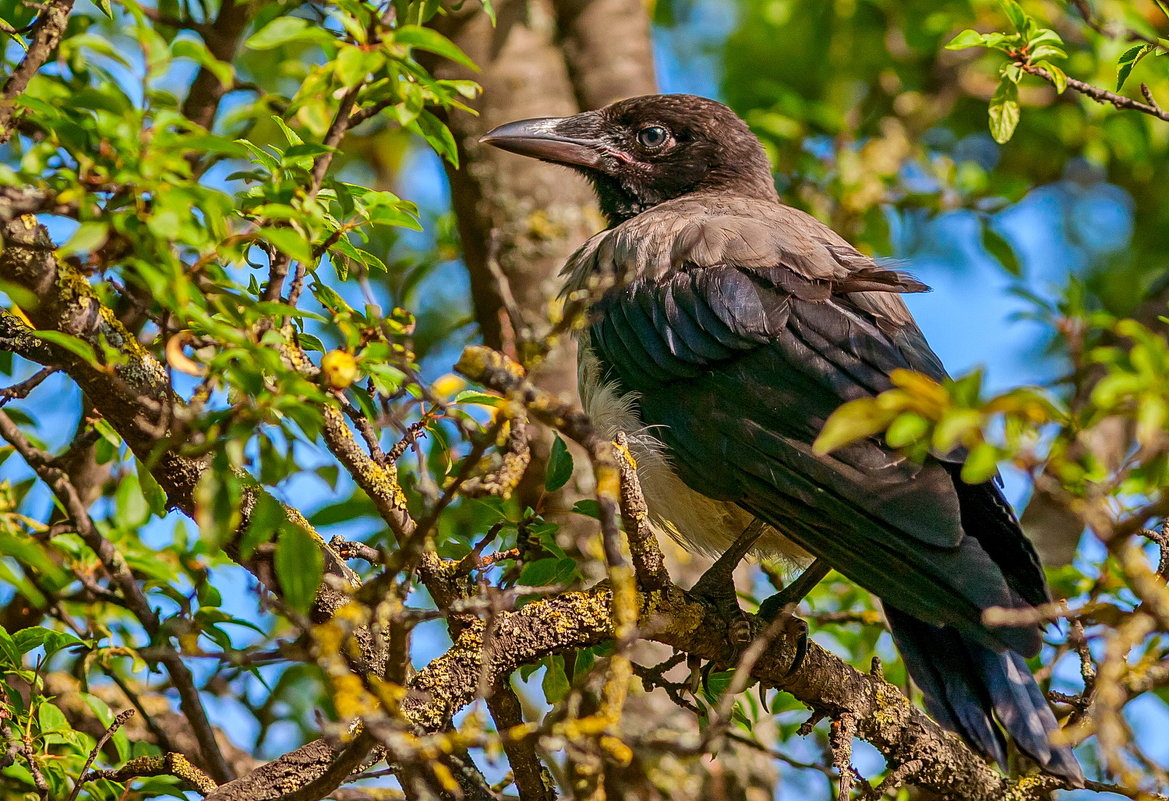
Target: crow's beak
<point x="562" y="140"/>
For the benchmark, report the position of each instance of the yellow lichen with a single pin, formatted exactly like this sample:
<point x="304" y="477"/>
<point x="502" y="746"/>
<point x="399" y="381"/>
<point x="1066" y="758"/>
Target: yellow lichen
<point x="617" y="750"/>
<point x="350" y="697"/>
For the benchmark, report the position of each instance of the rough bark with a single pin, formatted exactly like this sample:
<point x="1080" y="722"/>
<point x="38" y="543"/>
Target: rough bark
<point x="904" y="734"/>
<point x="605" y="67"/>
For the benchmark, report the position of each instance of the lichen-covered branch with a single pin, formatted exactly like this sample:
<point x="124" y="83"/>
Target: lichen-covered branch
<point x="166" y="765"/>
<point x="531" y="778"/>
<point x="497" y="372"/>
<point x="883" y="716"/>
<point x="46" y="35"/>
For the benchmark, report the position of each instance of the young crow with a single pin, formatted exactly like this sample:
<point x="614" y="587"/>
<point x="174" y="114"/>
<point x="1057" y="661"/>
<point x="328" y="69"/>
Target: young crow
<point x="731" y="328"/>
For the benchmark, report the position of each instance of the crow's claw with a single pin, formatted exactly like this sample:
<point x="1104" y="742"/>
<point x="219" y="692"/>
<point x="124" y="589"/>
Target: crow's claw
<point x="801" y="627"/>
<point x="794" y="592"/>
<point x="706" y="669"/>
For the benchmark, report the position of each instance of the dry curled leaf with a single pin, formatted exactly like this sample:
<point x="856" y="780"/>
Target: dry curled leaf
<point x="179" y="360"/>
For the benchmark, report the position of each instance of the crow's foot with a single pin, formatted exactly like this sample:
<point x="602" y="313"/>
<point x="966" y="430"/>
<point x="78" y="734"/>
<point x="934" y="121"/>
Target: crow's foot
<point x="784" y="602"/>
<point x="716" y="589"/>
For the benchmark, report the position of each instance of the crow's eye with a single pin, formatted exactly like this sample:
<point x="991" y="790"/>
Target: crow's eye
<point x="653" y="137"/>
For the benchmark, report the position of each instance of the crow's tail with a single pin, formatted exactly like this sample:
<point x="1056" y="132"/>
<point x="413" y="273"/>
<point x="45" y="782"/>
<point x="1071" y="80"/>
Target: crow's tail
<point x="967" y="686"/>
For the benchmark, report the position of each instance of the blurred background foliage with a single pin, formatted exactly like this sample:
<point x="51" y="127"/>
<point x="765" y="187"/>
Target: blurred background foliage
<point x="1048" y="254"/>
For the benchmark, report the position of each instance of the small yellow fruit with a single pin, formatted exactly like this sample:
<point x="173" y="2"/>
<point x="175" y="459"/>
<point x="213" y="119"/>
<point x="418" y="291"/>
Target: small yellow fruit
<point x="446" y="386"/>
<point x="339" y="369"/>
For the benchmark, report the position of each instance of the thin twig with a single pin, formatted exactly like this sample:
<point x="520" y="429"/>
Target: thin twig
<point x="842" y="732"/>
<point x="170" y="764"/>
<point x="21" y="390"/>
<point x="648" y="561"/>
<point x="117" y="723"/>
<point x="1096" y="93"/>
<point x="530" y="776"/>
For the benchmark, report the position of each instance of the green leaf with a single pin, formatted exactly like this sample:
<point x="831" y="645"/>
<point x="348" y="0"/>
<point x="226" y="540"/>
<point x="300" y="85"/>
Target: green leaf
<point x="1004" y="111"/>
<point x="475" y="398"/>
<point x="555" y="684"/>
<point x="283" y="30"/>
<point x="299" y="567"/>
<point x="70" y="343"/>
<point x="1015" y="14"/>
<point x="854" y="420"/>
<point x="264" y="523"/>
<point x="1129" y="59"/>
<point x="151" y="490"/>
<point x="292" y="136"/>
<point x="981" y="464"/>
<point x="1044" y="52"/>
<point x="717" y="684"/>
<point x="968" y="38"/>
<point x="105" y="717"/>
<point x="549" y="572"/>
<point x="587" y="507"/>
<point x="88" y="237"/>
<point x="309" y="149"/>
<point x="435" y="132"/>
<point x="434" y="42"/>
<point x="40" y="637"/>
<point x="559" y="465"/>
<point x="197" y="51"/>
<point x="1058" y="76"/>
<point x="107" y="432"/>
<point x="998" y="247"/>
<point x="52" y="719"/>
<point x="131" y="508"/>
<point x="907" y="429"/>
<point x="353" y="64"/>
<point x="260" y="156"/>
<point x="954" y="426"/>
<point x="290" y="242"/>
<point x="9" y="653"/>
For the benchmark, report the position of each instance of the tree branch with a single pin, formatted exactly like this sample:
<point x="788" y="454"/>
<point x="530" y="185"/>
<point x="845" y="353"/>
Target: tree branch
<point x="530" y="776"/>
<point x="1098" y="94"/>
<point x="133" y="393"/>
<point x="46" y="35"/>
<point x="222" y="38"/>
<point x="167" y="765"/>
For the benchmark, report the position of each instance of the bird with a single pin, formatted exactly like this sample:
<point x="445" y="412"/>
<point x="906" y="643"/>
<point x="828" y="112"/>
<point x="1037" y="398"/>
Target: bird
<point x="724" y="328"/>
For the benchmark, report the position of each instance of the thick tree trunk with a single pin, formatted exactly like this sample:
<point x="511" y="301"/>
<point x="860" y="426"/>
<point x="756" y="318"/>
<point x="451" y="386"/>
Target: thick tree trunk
<point x="520" y="220"/>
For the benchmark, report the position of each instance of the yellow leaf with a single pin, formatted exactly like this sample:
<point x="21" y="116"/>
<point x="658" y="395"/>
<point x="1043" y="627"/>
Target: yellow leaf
<point x="854" y="420"/>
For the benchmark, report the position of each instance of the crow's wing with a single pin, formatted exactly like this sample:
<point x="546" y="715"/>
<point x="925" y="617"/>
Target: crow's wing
<point x="740" y="365"/>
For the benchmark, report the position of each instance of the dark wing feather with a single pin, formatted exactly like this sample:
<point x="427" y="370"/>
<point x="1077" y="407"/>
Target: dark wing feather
<point x="740" y="367"/>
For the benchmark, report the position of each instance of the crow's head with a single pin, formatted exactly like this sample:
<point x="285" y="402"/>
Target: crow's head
<point x="646" y="150"/>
